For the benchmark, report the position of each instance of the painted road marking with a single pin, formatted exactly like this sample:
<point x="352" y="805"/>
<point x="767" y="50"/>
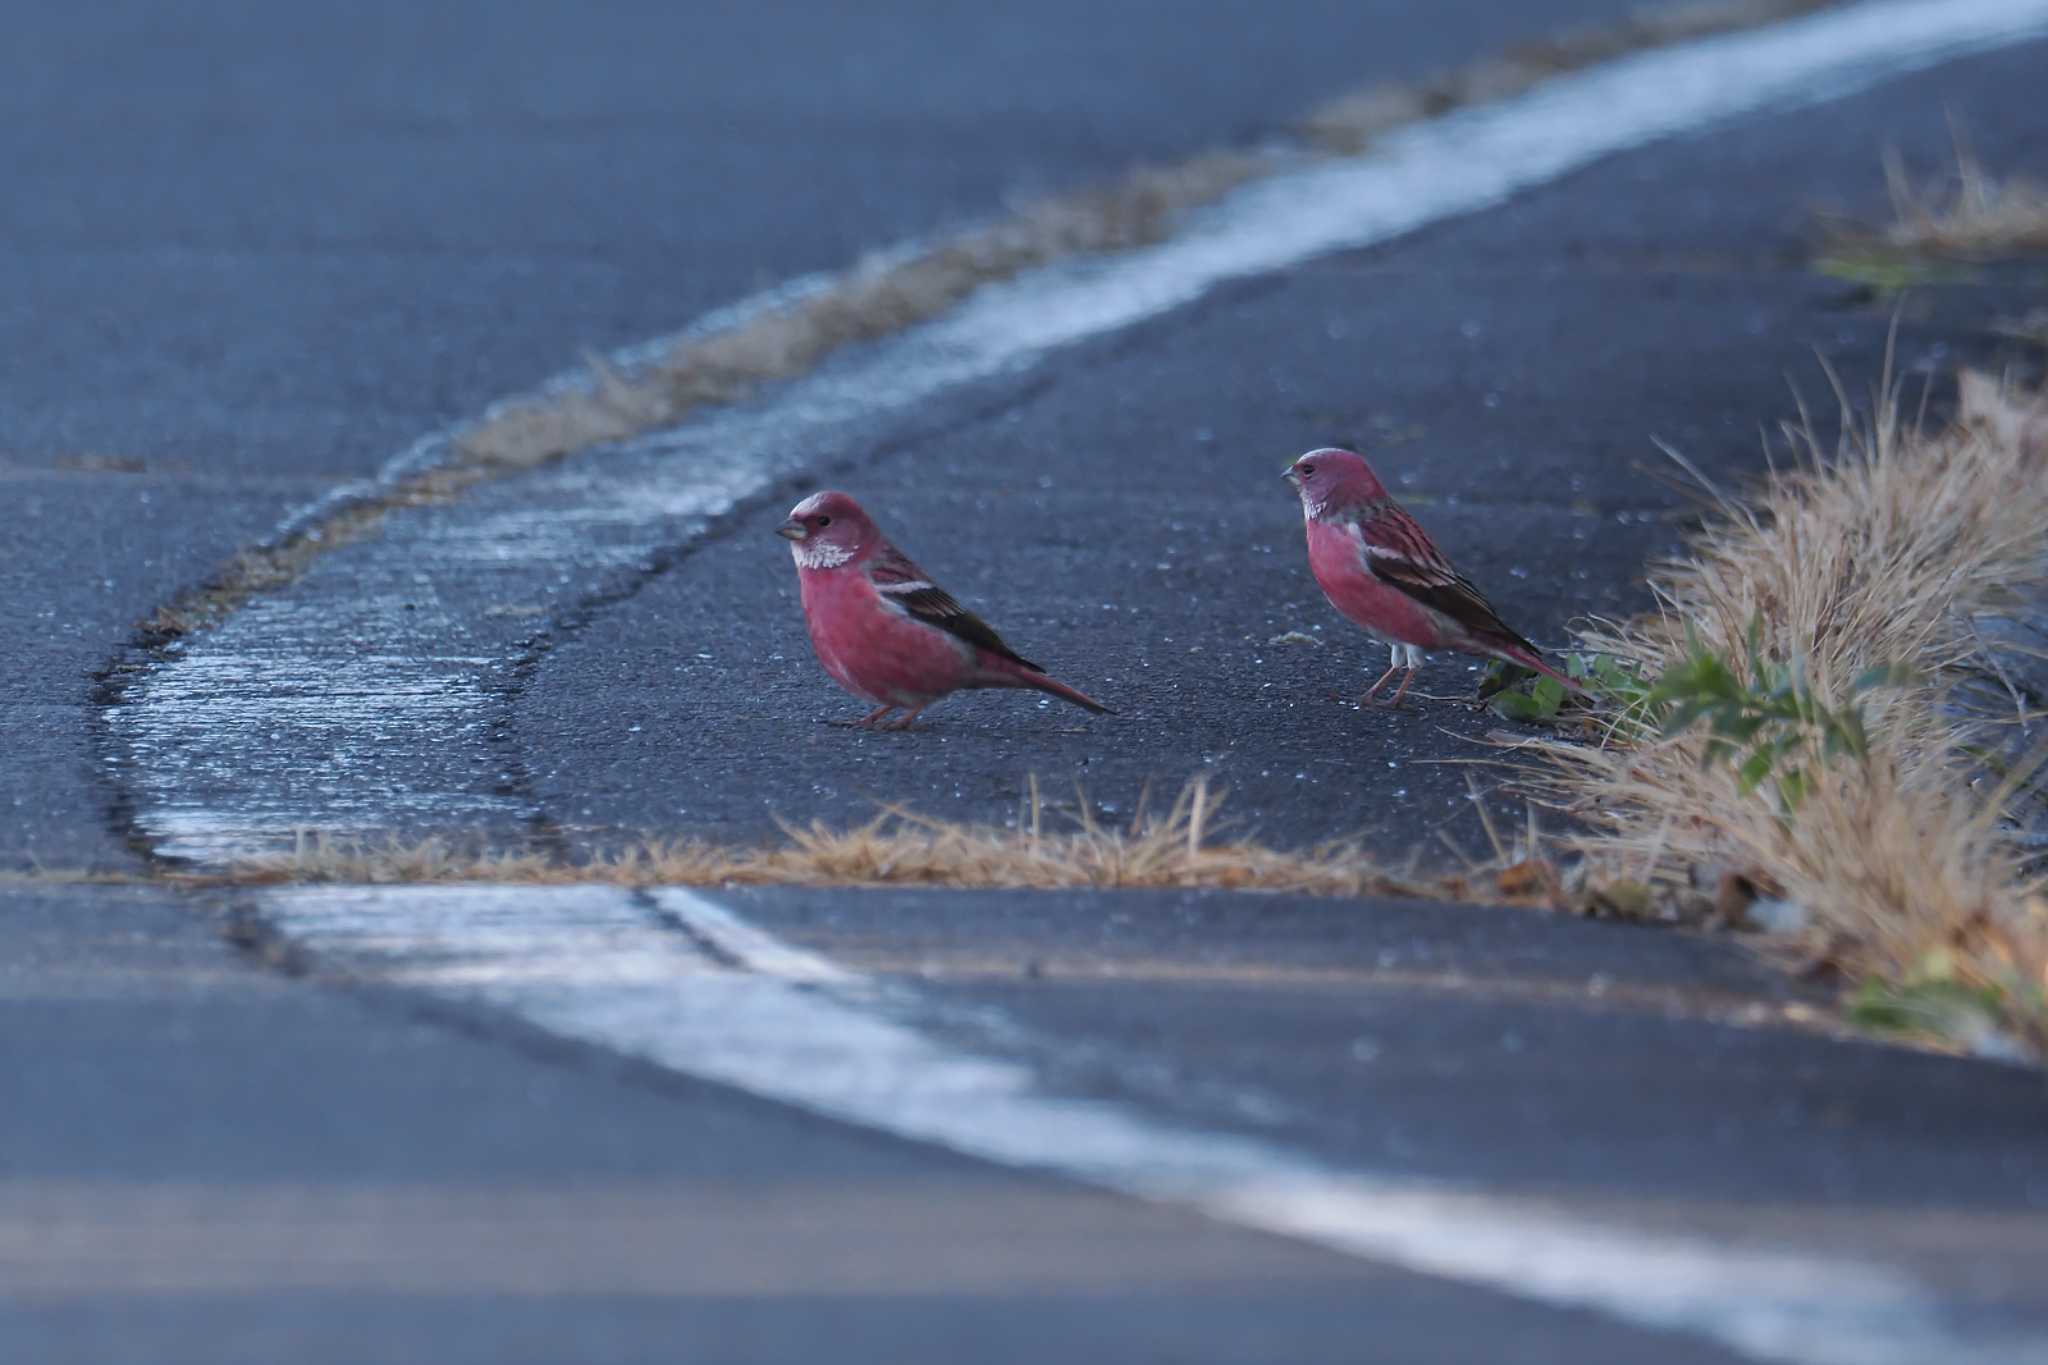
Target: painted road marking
<point x="684" y="984"/>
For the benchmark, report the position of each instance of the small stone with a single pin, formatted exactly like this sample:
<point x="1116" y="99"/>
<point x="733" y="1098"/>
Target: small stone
<point x="1775" y="916"/>
<point x="1529" y="877"/>
<point x="1623" y="900"/>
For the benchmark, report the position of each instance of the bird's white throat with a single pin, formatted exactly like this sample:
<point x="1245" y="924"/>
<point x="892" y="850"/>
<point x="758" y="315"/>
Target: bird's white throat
<point x="819" y="554"/>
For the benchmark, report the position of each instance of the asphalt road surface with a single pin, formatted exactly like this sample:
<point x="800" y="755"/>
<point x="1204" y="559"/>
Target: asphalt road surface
<point x="256" y="253"/>
<point x="252" y="252"/>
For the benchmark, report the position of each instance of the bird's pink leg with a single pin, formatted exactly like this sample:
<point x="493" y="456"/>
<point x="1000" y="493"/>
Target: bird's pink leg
<point x="1370" y="691"/>
<point x="1402" y="690"/>
<point x="868" y="721"/>
<point x="909" y="717"/>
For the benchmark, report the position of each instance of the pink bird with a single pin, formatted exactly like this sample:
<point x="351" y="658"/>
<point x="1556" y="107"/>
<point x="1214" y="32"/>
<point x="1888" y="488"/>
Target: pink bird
<point x="884" y="630"/>
<point x="1380" y="569"/>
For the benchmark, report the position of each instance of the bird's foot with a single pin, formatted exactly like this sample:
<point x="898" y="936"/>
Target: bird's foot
<point x="1393" y="703"/>
<point x="870" y="721"/>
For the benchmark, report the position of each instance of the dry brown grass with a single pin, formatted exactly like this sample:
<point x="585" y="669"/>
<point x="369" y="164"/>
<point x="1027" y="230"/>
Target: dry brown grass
<point x="877" y="297"/>
<point x="37" y="874"/>
<point x="1349" y="123"/>
<point x="1972" y="216"/>
<point x="265" y="568"/>
<point x="1885" y="549"/>
<point x="1184" y="845"/>
<point x="252" y="571"/>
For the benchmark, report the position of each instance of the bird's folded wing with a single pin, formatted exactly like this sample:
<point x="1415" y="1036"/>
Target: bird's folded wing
<point x="1400" y="554"/>
<point x="901" y="582"/>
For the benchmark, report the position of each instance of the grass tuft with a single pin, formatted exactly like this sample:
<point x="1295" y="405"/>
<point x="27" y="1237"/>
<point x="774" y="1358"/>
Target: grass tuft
<point x="1840" y="610"/>
<point x="1186" y="845"/>
<point x="1350" y="123"/>
<point x="1965" y="215"/>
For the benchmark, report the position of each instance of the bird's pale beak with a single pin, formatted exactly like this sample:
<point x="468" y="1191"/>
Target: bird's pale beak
<point x="1291" y="476"/>
<point x="792" y="530"/>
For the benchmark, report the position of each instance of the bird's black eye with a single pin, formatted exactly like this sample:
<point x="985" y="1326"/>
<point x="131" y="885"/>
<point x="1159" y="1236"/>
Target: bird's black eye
<point x="1308" y="471"/>
<point x="824" y="521"/>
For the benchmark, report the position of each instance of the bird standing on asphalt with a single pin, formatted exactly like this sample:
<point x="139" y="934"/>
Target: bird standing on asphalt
<point x="885" y="631"/>
<point x="1380" y="569"/>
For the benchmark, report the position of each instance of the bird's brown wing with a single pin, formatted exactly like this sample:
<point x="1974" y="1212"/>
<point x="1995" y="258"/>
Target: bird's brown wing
<point x="902" y="582"/>
<point x="1401" y="555"/>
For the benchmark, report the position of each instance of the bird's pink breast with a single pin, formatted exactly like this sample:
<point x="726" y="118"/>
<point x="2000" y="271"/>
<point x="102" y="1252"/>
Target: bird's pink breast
<point x="873" y="650"/>
<point x="1336" y="557"/>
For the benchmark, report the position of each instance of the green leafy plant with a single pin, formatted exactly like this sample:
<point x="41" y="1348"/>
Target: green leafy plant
<point x="1933" y="1001"/>
<point x="1508" y="691"/>
<point x="1771" y="725"/>
<point x="1765" y="719"/>
<point x="1885" y="274"/>
<point x="1522" y="694"/>
<point x="1939" y="1008"/>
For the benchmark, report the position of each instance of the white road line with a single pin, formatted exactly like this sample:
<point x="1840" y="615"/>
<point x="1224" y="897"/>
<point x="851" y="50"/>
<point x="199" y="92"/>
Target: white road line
<point x="595" y="965"/>
<point x="221" y="775"/>
<point x="1416" y="176"/>
<point x="1459" y="164"/>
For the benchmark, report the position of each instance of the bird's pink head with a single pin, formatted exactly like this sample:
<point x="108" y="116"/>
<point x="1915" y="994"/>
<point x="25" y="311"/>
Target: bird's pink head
<point x="1333" y="481"/>
<point x="827" y="530"/>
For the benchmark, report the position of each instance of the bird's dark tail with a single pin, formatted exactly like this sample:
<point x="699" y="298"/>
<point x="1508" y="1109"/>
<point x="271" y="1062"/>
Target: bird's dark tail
<point x="1007" y="674"/>
<point x="1066" y="693"/>
<point x="1527" y="657"/>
